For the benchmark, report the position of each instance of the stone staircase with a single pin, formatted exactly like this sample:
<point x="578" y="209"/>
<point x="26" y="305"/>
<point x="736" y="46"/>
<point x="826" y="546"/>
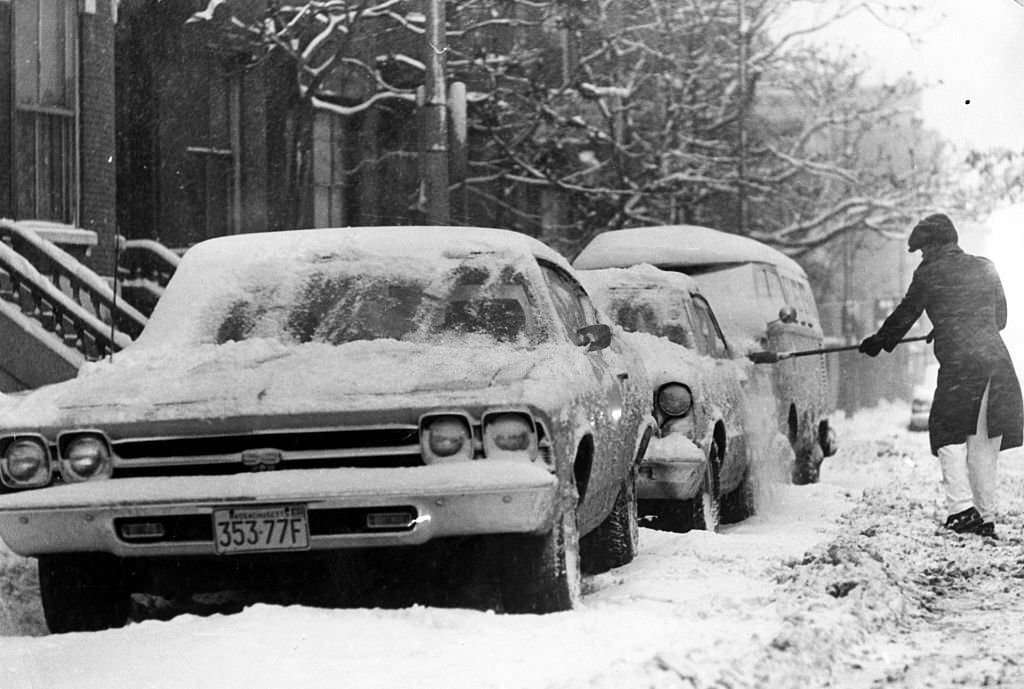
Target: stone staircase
<point x="56" y="313"/>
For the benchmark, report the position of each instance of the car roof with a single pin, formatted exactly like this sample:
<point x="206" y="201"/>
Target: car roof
<point x="678" y="246"/>
<point x="642" y="276"/>
<point x="414" y="241"/>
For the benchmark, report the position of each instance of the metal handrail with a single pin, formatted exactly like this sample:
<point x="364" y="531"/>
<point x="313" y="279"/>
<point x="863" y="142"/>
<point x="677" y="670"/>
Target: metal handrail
<point x="39" y="298"/>
<point x="87" y="289"/>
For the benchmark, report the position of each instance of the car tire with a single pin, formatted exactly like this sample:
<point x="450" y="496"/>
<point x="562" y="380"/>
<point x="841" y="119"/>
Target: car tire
<point x="807" y="468"/>
<point x="738" y="504"/>
<point x="83" y="592"/>
<point x="616" y="540"/>
<point x="541" y="574"/>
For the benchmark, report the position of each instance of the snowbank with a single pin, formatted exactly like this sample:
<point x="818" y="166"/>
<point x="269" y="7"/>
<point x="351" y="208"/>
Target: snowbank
<point x="849" y="583"/>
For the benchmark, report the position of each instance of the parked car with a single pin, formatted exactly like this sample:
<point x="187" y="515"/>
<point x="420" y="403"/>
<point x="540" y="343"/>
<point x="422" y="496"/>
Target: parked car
<point x="764" y="302"/>
<point x="305" y="392"/>
<point x="698" y="468"/>
<point x="921" y="401"/>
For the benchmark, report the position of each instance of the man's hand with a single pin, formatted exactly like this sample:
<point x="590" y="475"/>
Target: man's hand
<point x="871" y="345"/>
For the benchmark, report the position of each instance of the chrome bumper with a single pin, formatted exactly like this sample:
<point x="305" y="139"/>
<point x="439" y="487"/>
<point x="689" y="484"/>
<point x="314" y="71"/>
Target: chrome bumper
<point x="676" y="478"/>
<point x="450" y="500"/>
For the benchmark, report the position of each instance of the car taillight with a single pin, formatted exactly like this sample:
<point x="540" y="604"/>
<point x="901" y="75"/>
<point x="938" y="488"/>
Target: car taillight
<point x="675" y="399"/>
<point x="446" y="438"/>
<point x="509" y="436"/>
<point x="26" y="463"/>
<point x="84" y="457"/>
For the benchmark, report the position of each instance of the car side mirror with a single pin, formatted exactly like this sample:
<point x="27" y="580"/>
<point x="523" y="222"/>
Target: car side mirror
<point x="594" y="337"/>
<point x="787" y="314"/>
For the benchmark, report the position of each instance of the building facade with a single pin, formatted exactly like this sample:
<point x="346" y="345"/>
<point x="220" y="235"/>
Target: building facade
<point x="57" y="144"/>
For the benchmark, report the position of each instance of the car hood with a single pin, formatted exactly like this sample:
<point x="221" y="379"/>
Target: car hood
<point x="265" y="377"/>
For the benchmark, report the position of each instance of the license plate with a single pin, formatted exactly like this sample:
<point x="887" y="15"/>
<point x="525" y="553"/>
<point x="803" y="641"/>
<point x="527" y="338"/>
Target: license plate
<point x="254" y="529"/>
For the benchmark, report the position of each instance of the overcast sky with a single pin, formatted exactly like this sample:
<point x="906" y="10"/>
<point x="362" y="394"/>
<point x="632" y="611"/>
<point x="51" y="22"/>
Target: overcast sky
<point x="970" y="50"/>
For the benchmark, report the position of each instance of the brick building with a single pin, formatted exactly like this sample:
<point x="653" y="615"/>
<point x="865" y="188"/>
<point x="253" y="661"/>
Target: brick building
<point x="57" y="144"/>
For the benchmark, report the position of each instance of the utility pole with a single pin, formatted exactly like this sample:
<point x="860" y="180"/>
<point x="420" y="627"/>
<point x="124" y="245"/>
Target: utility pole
<point x="741" y="122"/>
<point x="434" y="184"/>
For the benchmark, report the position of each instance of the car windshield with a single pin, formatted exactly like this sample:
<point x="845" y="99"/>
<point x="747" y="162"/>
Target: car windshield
<point x="634" y="310"/>
<point x="343" y="301"/>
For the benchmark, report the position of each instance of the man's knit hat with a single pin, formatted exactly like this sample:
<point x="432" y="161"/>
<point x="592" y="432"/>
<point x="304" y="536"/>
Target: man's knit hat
<point x="934" y="229"/>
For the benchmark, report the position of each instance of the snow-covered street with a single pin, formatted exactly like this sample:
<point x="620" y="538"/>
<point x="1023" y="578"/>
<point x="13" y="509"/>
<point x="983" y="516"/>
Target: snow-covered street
<point x="848" y="583"/>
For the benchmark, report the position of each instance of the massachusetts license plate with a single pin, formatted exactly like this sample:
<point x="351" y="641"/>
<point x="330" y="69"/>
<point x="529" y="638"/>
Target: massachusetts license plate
<point x="252" y="529"/>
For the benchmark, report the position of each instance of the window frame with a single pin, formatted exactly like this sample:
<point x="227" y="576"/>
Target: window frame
<point x="718" y="347"/>
<point x="58" y="198"/>
<point x="558" y="280"/>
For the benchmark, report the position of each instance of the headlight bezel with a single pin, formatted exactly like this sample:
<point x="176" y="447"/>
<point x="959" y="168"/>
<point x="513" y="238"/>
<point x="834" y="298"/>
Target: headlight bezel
<point x="43" y="475"/>
<point x="492" y="445"/>
<point x="674" y="411"/>
<point x="466" y="451"/>
<point x="68" y="471"/>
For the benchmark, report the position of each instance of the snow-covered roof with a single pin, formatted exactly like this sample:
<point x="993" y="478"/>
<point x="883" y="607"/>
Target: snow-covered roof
<point x="424" y="243"/>
<point x="642" y="276"/>
<point x="677" y="246"/>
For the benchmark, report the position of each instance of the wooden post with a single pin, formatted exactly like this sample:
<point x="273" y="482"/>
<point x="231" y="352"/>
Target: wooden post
<point x="458" y="141"/>
<point x="434" y="183"/>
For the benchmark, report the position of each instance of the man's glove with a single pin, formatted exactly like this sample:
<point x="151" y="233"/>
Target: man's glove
<point x="871" y="345"/>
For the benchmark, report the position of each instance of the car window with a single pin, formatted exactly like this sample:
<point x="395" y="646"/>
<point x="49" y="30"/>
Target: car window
<point x="466" y="301"/>
<point x="633" y="310"/>
<point x="571" y="303"/>
<point x="710" y="333"/>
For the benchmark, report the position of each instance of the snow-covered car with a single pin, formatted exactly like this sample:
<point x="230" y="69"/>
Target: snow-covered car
<point x="304" y="392"/>
<point x="697" y="469"/>
<point x="765" y="304"/>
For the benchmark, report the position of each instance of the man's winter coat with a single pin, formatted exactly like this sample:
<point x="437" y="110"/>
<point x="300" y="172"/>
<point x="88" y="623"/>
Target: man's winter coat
<point x="964" y="300"/>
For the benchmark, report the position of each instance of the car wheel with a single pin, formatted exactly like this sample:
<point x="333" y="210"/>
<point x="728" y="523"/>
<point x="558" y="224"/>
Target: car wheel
<point x="807" y="468"/>
<point x="83" y="592"/>
<point x="541" y="574"/>
<point x="616" y="540"/>
<point x="738" y="504"/>
<point x="707" y="507"/>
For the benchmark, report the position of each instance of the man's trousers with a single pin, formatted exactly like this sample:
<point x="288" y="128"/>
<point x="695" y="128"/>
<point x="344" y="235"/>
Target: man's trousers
<point x="969" y="469"/>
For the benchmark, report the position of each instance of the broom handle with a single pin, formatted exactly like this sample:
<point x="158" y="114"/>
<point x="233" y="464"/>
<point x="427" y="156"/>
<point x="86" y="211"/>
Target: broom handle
<point x="845" y="348"/>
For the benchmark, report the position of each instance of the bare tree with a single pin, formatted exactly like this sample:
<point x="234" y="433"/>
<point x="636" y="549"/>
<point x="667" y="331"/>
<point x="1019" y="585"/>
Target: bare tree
<point x="631" y="112"/>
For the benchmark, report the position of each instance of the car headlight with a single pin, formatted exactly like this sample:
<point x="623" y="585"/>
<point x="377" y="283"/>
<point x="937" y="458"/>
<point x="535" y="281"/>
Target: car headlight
<point x="674" y="399"/>
<point x="84" y="456"/>
<point x="509" y="435"/>
<point x="446" y="438"/>
<point x="25" y="463"/>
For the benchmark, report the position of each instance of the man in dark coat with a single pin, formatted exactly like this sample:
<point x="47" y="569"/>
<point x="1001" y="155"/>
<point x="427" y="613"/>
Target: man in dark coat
<point x="976" y="410"/>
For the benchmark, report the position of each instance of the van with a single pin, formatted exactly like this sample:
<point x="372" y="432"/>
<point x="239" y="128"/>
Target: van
<point x="764" y="304"/>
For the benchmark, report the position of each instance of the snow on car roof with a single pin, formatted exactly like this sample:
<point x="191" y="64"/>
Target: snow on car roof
<point x="677" y="245"/>
<point x="423" y="242"/>
<point x="641" y="276"/>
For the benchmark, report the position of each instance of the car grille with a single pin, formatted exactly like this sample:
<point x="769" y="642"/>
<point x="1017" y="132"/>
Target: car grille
<point x="389" y="446"/>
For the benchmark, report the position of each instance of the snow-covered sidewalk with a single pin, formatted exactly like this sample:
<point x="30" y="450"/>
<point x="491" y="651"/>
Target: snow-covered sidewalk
<point x="847" y="583"/>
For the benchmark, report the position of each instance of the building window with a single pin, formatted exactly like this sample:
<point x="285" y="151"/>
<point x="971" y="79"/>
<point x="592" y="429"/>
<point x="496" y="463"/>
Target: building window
<point x="45" y="86"/>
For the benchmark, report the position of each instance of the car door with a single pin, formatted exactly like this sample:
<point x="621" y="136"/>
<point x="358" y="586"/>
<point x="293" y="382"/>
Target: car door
<point x="726" y="389"/>
<point x="604" y="406"/>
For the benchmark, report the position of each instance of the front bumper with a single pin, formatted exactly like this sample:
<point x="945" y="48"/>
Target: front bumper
<point x="676" y="478"/>
<point x="459" y="499"/>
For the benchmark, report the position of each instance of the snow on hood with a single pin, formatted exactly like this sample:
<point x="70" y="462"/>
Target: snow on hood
<point x="666" y="361"/>
<point x="264" y="376"/>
